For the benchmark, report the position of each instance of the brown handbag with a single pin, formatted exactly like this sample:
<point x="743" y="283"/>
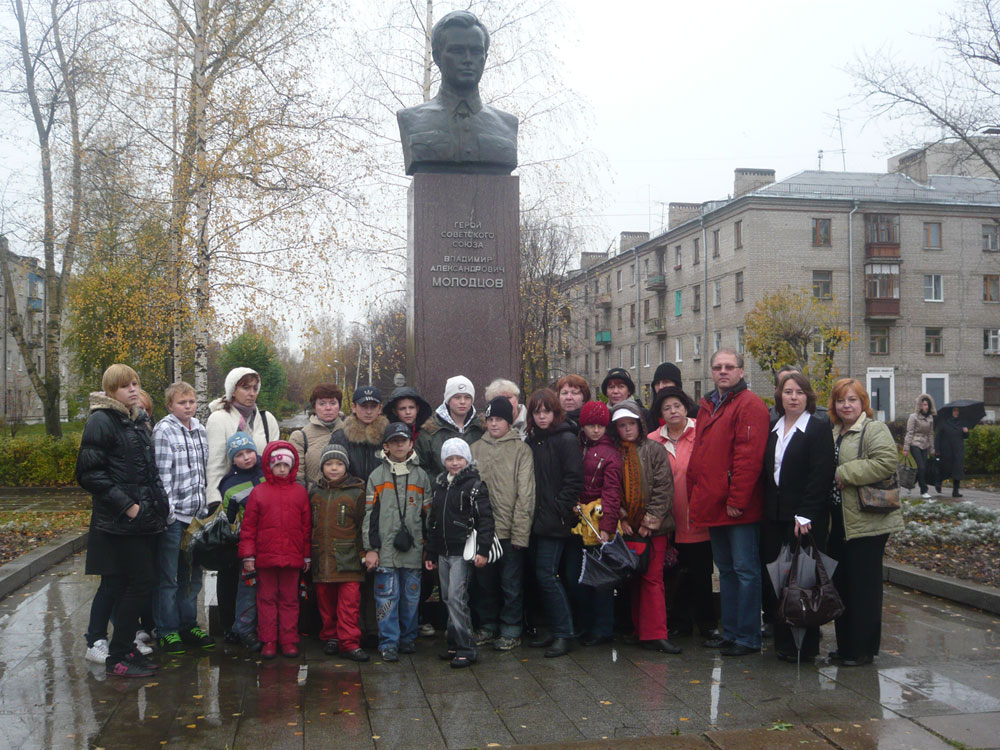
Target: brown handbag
<point x="881" y="496"/>
<point x="802" y="607"/>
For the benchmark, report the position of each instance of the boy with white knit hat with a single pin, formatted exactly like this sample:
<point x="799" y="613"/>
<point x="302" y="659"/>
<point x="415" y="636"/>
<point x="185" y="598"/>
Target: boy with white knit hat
<point x="455" y="417"/>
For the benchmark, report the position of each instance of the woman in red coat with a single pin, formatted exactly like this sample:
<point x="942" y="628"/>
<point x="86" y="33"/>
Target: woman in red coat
<point x="274" y="542"/>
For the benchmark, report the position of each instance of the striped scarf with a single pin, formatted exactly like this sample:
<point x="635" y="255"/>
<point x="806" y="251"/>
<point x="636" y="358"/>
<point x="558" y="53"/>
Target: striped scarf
<point x="633" y="507"/>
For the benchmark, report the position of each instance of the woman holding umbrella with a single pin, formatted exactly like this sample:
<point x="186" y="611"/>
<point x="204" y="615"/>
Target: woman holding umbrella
<point x="798" y="472"/>
<point x="950" y="440"/>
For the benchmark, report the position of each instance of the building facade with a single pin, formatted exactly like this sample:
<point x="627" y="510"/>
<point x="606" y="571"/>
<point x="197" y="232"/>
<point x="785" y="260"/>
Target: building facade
<point x="911" y="269"/>
<point x="20" y="403"/>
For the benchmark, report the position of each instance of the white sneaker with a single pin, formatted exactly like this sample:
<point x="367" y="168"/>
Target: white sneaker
<point x="925" y="496"/>
<point x="142" y="647"/>
<point x="98" y="653"/>
<point x="427" y="630"/>
<point x="142" y="635"/>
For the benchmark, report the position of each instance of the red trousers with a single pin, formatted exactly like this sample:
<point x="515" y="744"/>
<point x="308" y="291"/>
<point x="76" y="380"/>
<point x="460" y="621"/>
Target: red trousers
<point x="649" y="608"/>
<point x="339" y="606"/>
<point x="278" y="605"/>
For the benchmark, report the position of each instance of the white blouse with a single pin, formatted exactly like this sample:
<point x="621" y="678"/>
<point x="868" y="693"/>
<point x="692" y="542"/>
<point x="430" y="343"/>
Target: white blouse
<point x="784" y="438"/>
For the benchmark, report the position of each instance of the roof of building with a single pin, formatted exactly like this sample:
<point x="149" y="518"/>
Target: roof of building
<point x="894" y="187"/>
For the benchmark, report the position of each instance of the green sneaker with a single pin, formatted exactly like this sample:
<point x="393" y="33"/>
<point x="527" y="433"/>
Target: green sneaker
<point x="195" y="636"/>
<point x="171" y="643"/>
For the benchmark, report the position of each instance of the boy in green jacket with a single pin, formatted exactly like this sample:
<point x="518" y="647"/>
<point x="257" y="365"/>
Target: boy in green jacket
<point x="397" y="500"/>
<point x="507" y="467"/>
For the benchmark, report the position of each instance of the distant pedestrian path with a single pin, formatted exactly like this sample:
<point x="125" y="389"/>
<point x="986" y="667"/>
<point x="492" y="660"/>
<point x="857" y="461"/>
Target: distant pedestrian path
<point x="31" y="499"/>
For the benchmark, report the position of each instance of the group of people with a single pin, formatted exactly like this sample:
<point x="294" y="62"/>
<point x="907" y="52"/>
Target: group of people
<point x="396" y="499"/>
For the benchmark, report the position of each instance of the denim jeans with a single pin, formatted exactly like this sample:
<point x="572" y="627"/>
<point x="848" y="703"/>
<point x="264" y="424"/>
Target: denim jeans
<point x="548" y="553"/>
<point x="397" y="599"/>
<point x="245" y="624"/>
<point x="178" y="584"/>
<point x="454" y="573"/>
<point x="593" y="608"/>
<point x="500" y="593"/>
<point x="737" y="556"/>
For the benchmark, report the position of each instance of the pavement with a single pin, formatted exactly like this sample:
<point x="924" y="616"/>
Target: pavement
<point x="937" y="679"/>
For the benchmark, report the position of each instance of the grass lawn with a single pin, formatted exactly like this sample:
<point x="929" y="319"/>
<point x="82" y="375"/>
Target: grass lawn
<point x="22" y="531"/>
<point x="74" y="427"/>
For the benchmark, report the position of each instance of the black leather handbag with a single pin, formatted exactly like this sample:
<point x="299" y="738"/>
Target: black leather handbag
<point x="803" y="607"/>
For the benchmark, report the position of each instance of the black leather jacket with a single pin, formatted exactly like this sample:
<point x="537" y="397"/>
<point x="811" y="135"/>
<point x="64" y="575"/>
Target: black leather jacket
<point x="117" y="466"/>
<point x="558" y="479"/>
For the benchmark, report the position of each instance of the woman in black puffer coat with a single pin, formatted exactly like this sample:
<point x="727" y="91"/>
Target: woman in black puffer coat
<point x="558" y="484"/>
<point x="117" y="466"/>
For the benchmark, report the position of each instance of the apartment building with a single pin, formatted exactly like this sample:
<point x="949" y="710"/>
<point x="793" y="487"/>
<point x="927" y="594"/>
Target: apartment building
<point x="20" y="403"/>
<point x="912" y="269"/>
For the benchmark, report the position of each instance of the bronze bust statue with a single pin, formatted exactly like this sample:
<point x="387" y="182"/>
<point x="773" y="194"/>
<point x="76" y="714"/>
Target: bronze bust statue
<point x="455" y="131"/>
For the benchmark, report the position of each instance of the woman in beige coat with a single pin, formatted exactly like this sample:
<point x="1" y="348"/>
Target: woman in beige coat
<point x="919" y="440"/>
<point x="865" y="453"/>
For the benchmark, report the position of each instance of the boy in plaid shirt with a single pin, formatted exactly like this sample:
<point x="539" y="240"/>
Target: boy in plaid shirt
<point x="181" y="447"/>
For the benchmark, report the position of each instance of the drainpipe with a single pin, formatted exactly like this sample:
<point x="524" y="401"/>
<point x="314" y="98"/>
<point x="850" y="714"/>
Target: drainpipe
<point x="850" y="289"/>
<point x="704" y="286"/>
<point x="638" y="321"/>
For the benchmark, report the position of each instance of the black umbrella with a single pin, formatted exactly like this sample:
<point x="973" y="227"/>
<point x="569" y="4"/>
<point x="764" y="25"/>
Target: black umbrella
<point x="609" y="564"/>
<point x="970" y="412"/>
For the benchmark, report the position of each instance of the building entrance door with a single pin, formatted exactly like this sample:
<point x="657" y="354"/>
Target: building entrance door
<point x="882" y="391"/>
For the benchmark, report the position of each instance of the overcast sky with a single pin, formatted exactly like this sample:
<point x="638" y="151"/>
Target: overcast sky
<point x="683" y="93"/>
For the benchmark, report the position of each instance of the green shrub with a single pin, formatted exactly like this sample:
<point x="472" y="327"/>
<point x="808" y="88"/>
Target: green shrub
<point x="982" y="450"/>
<point x="38" y="461"/>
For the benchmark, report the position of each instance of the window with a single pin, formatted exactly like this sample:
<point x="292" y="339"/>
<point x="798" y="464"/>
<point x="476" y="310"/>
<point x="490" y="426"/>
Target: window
<point x="607" y="284"/>
<point x="696" y="302"/>
<point x="645" y="355"/>
<point x="632" y="273"/>
<point x="645" y="309"/>
<point x="631" y="356"/>
<point x="619" y="318"/>
<point x="991" y="340"/>
<point x="818" y="343"/>
<point x="697" y="251"/>
<point x="991" y="238"/>
<point x="697" y="391"/>
<point x="715" y="243"/>
<point x="739" y="286"/>
<point x="823" y="284"/>
<point x="878" y="340"/>
<point x="678" y="351"/>
<point x="932" y="341"/>
<point x="740" y="344"/>
<point x="663" y="351"/>
<point x="991" y="390"/>
<point x="645" y="267"/>
<point x="607" y="359"/>
<point x="881" y="281"/>
<point x="597" y="287"/>
<point x="586" y="332"/>
<point x="697" y="346"/>
<point x="631" y="315"/>
<point x="991" y="287"/>
<point x="716" y="341"/>
<point x="621" y="356"/>
<point x="882" y="229"/>
<point x="932" y="288"/>
<point x="737" y="234"/>
<point x="586" y="363"/>
<point x="716" y="293"/>
<point x="932" y="235"/>
<point x="821" y="232"/>
<point x="677" y="257"/>
<point x="678" y="304"/>
<point x="597" y="362"/>
<point x="618" y="276"/>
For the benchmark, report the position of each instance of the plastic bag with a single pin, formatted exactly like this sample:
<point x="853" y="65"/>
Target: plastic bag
<point x="211" y="542"/>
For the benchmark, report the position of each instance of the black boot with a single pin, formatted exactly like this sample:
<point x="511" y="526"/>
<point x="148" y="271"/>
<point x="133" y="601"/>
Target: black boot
<point x="559" y="647"/>
<point x="954" y="488"/>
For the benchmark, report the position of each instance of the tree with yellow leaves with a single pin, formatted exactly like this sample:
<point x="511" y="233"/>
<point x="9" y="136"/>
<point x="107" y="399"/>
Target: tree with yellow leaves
<point x="789" y="327"/>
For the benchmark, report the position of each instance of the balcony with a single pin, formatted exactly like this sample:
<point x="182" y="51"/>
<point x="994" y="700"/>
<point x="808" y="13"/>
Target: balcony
<point x="656" y="327"/>
<point x="603" y="338"/>
<point x="882" y="251"/>
<point x="881" y="307"/>
<point x="603" y="300"/>
<point x="656" y="282"/>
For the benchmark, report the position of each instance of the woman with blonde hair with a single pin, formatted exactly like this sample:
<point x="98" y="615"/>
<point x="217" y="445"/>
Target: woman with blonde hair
<point x="864" y="453"/>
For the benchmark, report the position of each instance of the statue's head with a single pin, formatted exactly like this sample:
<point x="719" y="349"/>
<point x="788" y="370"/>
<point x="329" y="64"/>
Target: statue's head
<point x="459" y="45"/>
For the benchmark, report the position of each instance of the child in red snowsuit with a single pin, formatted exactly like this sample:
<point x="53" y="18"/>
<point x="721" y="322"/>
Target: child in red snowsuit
<point x="274" y="541"/>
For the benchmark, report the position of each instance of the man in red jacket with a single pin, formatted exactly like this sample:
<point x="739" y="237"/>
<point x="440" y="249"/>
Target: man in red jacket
<point x="727" y="495"/>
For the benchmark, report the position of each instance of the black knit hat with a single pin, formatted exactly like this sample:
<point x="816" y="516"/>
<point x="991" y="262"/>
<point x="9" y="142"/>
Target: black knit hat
<point x="621" y="374"/>
<point x="500" y="407"/>
<point x="670" y="391"/>
<point x="668" y="371"/>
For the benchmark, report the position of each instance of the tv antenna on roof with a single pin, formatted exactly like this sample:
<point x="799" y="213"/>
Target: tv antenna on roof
<point x="839" y="125"/>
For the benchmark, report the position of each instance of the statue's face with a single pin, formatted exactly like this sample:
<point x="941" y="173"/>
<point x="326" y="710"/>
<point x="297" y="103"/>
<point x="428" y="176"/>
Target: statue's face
<point x="462" y="57"/>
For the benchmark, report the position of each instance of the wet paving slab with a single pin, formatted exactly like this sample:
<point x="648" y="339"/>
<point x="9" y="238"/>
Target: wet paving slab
<point x="938" y="680"/>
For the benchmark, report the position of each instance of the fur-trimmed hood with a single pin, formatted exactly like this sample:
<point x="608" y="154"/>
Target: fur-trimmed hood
<point x="356" y="431"/>
<point x="930" y="398"/>
<point x="100" y="400"/>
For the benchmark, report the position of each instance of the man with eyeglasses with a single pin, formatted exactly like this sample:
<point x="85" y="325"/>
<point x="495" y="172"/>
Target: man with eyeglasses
<point x="726" y="494"/>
